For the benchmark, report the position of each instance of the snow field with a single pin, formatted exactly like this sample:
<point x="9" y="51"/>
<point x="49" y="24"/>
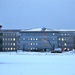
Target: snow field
<point x="37" y="64"/>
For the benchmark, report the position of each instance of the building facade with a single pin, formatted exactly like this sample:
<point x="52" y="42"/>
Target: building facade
<point x="43" y="39"/>
<point x="34" y="40"/>
<point x="9" y="40"/>
<point x="66" y="40"/>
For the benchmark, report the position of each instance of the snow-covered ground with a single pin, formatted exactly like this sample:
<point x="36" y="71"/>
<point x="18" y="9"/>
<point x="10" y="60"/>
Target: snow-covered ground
<point x="12" y="63"/>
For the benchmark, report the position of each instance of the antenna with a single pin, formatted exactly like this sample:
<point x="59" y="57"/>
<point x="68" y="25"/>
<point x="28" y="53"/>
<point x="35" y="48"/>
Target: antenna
<point x="0" y="26"/>
<point x="43" y="29"/>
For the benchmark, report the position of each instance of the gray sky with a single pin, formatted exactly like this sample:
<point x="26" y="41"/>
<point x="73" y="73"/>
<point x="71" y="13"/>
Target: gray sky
<point x="25" y="14"/>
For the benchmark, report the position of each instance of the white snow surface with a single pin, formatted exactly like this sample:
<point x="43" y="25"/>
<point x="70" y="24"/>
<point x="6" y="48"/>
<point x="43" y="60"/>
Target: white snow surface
<point x="37" y="29"/>
<point x="26" y="63"/>
<point x="47" y="29"/>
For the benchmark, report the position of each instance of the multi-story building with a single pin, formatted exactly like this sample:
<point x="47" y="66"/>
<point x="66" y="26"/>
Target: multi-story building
<point x="66" y="39"/>
<point x="28" y="40"/>
<point x="8" y="40"/>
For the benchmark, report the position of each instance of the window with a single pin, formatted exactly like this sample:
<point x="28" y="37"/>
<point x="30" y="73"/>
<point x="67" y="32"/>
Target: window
<point x="3" y="48"/>
<point x="53" y="33"/>
<point x="68" y="34"/>
<point x="28" y="38"/>
<point x="64" y="48"/>
<point x="8" y="48"/>
<point x="62" y="34"/>
<point x="23" y="38"/>
<point x="3" y="43"/>
<point x="3" y="34"/>
<point x="65" y="34"/>
<point x="14" y="34"/>
<point x="36" y="48"/>
<point x="8" y="43"/>
<point x="11" y="48"/>
<point x="3" y="38"/>
<point x="65" y="38"/>
<point x="8" y="38"/>
<point x="68" y="49"/>
<point x="6" y="34"/>
<point x="65" y="44"/>
<point x="13" y="39"/>
<point x="31" y="43"/>
<point x="53" y="38"/>
<point x="31" y="38"/>
<point x="62" y="39"/>
<point x="36" y="43"/>
<point x="11" y="34"/>
<point x="31" y="48"/>
<point x="59" y="44"/>
<point x="13" y="44"/>
<point x="59" y="39"/>
<point x="36" y="38"/>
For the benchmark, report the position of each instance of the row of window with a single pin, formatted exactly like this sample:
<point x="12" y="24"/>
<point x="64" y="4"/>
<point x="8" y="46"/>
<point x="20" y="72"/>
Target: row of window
<point x="65" y="44"/>
<point x="60" y="39"/>
<point x="31" y="44"/>
<point x="9" y="49"/>
<point x="44" y="39"/>
<point x="29" y="39"/>
<point x="33" y="48"/>
<point x="65" y="34"/>
<point x="29" y="48"/>
<point x="9" y="44"/>
<point x="64" y="39"/>
<point x="9" y="39"/>
<point x="36" y="48"/>
<point x="9" y="34"/>
<point x="45" y="44"/>
<point x="33" y="34"/>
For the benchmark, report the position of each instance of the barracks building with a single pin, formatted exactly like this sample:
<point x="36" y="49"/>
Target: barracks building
<point x="36" y="39"/>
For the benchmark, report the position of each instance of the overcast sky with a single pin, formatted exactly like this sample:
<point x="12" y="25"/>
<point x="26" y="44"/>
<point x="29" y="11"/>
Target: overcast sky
<point x="26" y="14"/>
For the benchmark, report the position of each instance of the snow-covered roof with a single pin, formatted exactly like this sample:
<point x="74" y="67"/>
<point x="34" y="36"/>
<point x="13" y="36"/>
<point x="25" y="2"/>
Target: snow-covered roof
<point x="38" y="29"/>
<point x="64" y="29"/>
<point x="46" y="29"/>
